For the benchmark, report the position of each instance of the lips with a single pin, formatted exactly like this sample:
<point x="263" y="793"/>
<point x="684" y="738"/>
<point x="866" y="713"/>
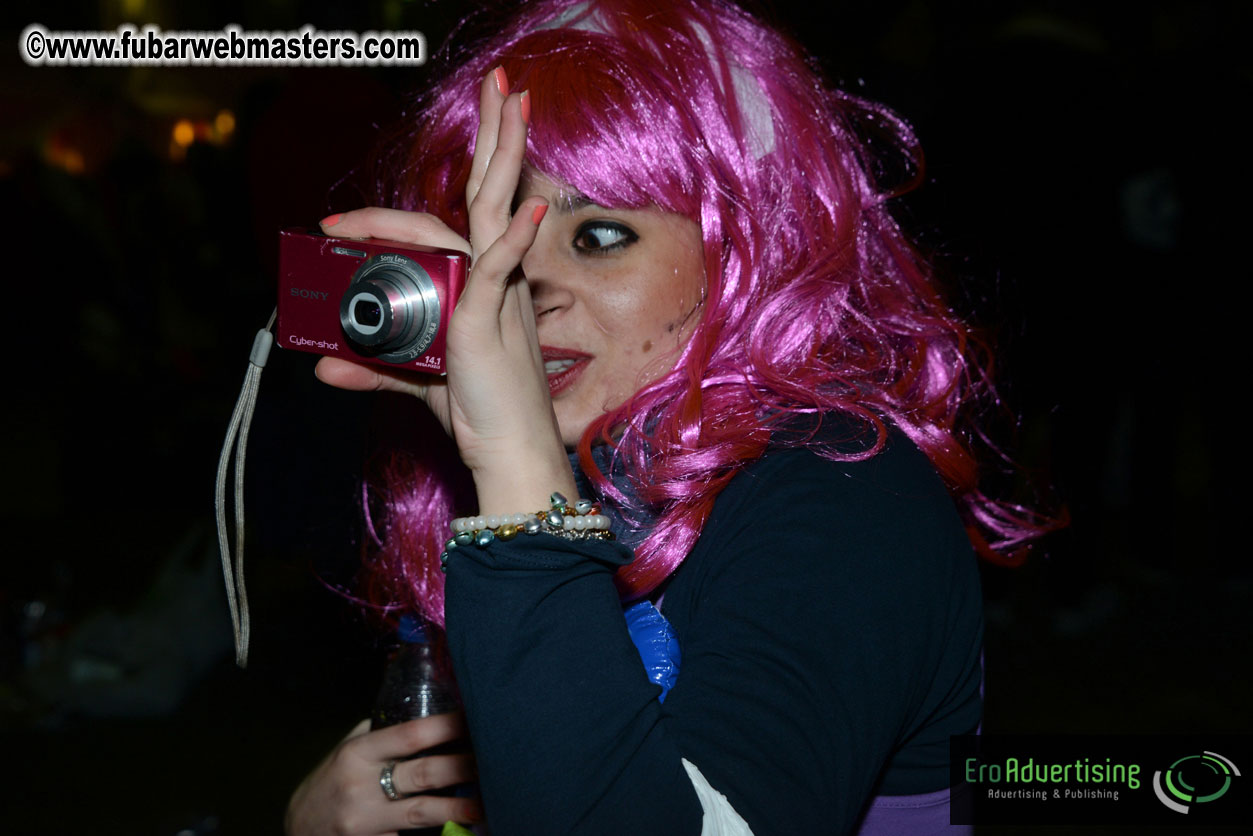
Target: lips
<point x="563" y="367"/>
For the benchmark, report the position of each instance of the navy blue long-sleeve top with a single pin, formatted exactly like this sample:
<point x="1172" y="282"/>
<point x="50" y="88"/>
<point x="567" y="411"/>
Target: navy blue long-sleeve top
<point x="830" y="622"/>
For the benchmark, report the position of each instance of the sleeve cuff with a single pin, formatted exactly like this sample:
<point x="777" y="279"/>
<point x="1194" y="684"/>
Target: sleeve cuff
<point x="544" y="551"/>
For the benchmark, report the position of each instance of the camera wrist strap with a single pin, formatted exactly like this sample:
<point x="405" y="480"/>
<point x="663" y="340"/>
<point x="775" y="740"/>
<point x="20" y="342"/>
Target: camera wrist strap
<point x="237" y="435"/>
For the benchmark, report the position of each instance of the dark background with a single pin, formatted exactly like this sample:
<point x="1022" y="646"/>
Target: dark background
<point x="1087" y="173"/>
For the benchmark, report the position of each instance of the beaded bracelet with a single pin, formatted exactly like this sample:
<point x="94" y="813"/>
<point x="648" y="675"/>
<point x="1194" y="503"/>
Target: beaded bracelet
<point x="580" y="521"/>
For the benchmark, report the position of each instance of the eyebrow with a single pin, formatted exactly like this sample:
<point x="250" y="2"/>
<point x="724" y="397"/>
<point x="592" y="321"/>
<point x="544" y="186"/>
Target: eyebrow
<point x="569" y="202"/>
<point x="566" y="201"/>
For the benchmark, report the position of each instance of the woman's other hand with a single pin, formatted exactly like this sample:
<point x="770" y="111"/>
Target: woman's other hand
<point x="343" y="796"/>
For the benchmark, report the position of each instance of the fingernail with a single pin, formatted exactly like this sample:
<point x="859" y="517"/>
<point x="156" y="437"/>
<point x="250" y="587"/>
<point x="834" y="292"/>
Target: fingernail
<point x="538" y="214"/>
<point x="331" y="220"/>
<point x="502" y="81"/>
<point x="526" y="106"/>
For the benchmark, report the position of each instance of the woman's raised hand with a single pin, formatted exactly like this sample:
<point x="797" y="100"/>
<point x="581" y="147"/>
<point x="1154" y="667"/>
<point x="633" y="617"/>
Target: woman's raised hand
<point x="495" y="400"/>
<point x="391" y="225"/>
<point x="343" y="796"/>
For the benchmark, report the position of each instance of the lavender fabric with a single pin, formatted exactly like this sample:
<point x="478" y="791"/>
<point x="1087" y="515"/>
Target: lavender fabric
<point x="916" y="815"/>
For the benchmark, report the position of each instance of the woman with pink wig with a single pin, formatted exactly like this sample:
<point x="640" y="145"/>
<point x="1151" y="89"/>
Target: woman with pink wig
<point x="697" y="374"/>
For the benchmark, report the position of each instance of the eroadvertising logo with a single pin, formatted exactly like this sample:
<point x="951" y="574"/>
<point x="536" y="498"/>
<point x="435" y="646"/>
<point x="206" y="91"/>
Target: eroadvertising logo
<point x="1194" y="779"/>
<point x="1093" y="780"/>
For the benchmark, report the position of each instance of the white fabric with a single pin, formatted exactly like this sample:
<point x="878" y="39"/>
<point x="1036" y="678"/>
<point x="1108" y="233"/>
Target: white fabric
<point x="720" y="817"/>
<point x="758" y="121"/>
<point x="759" y="124"/>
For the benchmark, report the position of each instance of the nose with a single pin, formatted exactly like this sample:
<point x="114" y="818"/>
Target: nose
<point x="551" y="291"/>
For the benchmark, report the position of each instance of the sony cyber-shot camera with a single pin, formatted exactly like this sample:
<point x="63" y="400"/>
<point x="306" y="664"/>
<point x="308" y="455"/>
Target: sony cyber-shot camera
<point x="371" y="301"/>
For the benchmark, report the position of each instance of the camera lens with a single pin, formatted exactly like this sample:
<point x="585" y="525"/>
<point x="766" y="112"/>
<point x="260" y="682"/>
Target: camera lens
<point x="367" y="316"/>
<point x="367" y="313"/>
<point x="390" y="309"/>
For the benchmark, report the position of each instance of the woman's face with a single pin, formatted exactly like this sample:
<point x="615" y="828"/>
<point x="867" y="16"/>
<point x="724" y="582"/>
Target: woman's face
<point x="616" y="295"/>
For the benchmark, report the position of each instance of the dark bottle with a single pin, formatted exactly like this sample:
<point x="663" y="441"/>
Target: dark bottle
<point x="417" y="682"/>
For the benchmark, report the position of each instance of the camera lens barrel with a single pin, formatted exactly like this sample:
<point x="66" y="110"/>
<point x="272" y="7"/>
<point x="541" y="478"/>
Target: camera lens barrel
<point x="390" y="309"/>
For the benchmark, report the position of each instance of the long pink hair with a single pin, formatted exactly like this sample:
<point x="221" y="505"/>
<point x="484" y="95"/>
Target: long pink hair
<point x="815" y="304"/>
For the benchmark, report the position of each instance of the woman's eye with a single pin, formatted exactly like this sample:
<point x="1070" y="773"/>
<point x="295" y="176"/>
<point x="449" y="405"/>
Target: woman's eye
<point x="600" y="237"/>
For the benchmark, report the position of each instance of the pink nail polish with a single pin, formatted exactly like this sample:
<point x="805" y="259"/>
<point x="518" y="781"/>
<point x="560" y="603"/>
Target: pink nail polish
<point x="538" y="214"/>
<point x="526" y="106"/>
<point x="502" y="81"/>
<point x="331" y="220"/>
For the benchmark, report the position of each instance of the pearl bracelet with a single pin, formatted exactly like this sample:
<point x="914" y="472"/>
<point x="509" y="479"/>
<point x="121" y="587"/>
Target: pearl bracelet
<point x="580" y="521"/>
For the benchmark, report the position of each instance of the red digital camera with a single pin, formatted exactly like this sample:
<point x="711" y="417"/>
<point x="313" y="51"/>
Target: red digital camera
<point x="371" y="301"/>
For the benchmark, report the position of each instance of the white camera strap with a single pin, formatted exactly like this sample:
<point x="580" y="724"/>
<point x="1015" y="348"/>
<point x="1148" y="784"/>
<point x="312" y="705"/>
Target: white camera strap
<point x="237" y="435"/>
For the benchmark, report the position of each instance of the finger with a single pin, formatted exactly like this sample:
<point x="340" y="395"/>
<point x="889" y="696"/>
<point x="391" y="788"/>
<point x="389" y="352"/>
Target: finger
<point x="358" y="377"/>
<point x="492" y="93"/>
<point x="485" y="289"/>
<point x="427" y="810"/>
<point x="489" y="215"/>
<point x="394" y="225"/>
<point x="526" y="315"/>
<point x="405" y="739"/>
<point x="431" y="772"/>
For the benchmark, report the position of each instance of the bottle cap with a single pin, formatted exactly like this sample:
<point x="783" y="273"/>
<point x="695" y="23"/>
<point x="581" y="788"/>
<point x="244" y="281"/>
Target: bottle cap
<point x="410" y="630"/>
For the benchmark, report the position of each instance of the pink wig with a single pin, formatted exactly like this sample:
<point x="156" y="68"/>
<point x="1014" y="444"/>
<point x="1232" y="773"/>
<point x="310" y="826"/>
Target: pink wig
<point x="815" y="303"/>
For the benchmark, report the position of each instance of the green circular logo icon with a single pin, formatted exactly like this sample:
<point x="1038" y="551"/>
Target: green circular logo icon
<point x="1194" y="779"/>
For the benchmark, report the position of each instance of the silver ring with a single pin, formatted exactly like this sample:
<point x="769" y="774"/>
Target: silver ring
<point x="385" y="780"/>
